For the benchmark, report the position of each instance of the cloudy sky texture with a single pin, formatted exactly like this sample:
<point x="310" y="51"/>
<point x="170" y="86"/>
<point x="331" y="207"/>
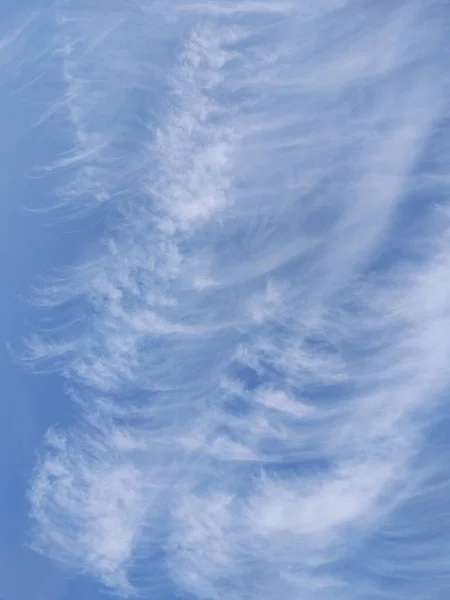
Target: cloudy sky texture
<point x="226" y="300"/>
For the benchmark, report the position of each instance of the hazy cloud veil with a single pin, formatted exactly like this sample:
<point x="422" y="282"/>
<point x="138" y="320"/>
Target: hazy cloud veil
<point x="259" y="343"/>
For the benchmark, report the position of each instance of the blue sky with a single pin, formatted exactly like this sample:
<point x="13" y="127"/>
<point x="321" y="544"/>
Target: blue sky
<point x="225" y="271"/>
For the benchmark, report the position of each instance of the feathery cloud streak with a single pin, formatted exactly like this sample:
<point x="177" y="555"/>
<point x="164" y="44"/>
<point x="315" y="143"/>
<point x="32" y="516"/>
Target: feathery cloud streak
<point x="259" y="344"/>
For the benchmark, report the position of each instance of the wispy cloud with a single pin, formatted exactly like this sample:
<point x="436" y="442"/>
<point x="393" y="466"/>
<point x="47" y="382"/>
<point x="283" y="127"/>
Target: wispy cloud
<point x="258" y="347"/>
<point x="14" y="35"/>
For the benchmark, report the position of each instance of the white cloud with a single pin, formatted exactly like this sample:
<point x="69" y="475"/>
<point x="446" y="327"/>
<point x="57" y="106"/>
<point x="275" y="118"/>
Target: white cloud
<point x="259" y="341"/>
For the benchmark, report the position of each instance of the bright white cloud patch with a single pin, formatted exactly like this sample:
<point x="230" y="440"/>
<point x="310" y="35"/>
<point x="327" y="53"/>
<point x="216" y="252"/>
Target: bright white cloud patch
<point x="259" y="345"/>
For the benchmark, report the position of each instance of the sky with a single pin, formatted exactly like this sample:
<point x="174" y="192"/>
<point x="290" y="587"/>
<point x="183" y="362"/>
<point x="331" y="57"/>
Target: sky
<point x="225" y="299"/>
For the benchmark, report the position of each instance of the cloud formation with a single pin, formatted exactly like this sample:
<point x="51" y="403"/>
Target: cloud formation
<point x="258" y="345"/>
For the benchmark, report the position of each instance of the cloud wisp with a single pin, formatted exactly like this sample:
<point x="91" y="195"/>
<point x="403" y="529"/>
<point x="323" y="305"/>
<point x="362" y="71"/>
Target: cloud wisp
<point x="258" y="345"/>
